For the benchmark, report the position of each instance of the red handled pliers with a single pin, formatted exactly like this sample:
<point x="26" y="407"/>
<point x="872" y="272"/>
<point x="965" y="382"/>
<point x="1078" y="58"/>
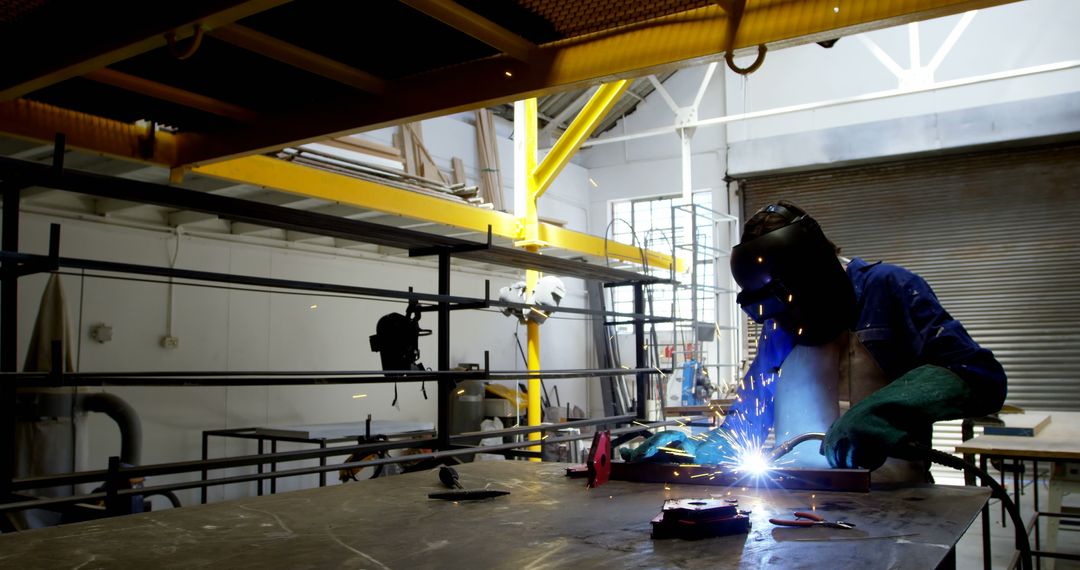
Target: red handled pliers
<point x="803" y="518"/>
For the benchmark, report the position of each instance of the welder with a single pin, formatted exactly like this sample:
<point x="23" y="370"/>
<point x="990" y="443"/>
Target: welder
<point x="863" y="351"/>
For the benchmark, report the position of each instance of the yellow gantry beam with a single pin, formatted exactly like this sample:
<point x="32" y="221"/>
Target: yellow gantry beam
<point x="464" y="20"/>
<point x="172" y="94"/>
<point x="297" y="179"/>
<point x="108" y="53"/>
<point x="685" y="38"/>
<point x="271" y="47"/>
<point x="32" y="120"/>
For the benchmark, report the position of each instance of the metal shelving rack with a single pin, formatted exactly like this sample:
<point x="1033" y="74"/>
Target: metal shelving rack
<point x="15" y="175"/>
<point x="700" y="240"/>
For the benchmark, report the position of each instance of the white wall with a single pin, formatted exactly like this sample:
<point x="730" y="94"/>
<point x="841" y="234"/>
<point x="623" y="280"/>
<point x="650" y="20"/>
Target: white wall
<point x="222" y="330"/>
<point x="1009" y="37"/>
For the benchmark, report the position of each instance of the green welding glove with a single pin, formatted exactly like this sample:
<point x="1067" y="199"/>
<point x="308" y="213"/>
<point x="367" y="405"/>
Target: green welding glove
<point x="886" y="422"/>
<point x="650" y="449"/>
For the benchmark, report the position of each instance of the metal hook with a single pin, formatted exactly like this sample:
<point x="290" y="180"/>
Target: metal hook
<point x="729" y="57"/>
<point x="196" y="40"/>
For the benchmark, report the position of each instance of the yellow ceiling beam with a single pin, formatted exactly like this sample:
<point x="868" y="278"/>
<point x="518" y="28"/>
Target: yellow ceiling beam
<point x="97" y="57"/>
<point x="690" y="37"/>
<point x="172" y="94"/>
<point x="464" y="20"/>
<point x="273" y="48"/>
<point x="27" y="119"/>
<point x="314" y="183"/>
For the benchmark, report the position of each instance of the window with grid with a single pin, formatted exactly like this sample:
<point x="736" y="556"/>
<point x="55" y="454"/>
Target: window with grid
<point x="659" y="224"/>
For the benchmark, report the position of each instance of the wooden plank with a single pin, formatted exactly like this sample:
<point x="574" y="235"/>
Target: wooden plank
<point x="403" y="139"/>
<point x="1023" y="425"/>
<point x="1059" y="440"/>
<point x="425" y="162"/>
<point x="366" y="146"/>
<point x="458" y="167"/>
<point x="490" y="177"/>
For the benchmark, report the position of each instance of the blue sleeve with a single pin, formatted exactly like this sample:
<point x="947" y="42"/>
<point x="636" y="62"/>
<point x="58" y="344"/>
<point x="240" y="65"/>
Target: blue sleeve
<point x="936" y="338"/>
<point x="748" y="420"/>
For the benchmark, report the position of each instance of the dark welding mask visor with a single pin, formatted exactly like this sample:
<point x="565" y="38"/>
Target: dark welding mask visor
<point x="766" y="303"/>
<point x="791" y="275"/>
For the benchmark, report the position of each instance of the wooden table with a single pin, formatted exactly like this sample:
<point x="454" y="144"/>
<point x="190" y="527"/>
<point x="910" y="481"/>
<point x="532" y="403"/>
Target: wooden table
<point x="548" y="521"/>
<point x="1057" y="443"/>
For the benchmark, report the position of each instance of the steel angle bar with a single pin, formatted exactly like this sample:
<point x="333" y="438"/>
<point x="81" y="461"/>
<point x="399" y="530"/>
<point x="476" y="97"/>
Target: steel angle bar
<point x="857" y="480"/>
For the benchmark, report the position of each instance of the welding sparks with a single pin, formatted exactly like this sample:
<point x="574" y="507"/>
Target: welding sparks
<point x="355" y="396"/>
<point x="753" y="463"/>
<point x="677" y="452"/>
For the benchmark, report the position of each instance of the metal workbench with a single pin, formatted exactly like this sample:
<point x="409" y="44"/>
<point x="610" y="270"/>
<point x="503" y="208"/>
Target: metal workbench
<point x="548" y="521"/>
<point x="317" y="434"/>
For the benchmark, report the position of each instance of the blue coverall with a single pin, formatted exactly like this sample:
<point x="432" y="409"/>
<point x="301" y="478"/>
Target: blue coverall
<point x="902" y="325"/>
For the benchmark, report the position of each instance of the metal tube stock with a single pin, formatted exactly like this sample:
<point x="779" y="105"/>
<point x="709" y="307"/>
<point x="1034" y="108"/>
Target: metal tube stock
<point x="180" y="379"/>
<point x="315" y="287"/>
<point x="248" y="460"/>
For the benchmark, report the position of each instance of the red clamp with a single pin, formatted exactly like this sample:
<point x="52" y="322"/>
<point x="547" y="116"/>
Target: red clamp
<point x="599" y="464"/>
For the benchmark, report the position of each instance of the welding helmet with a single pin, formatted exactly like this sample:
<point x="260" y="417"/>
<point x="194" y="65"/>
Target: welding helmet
<point x="791" y="275"/>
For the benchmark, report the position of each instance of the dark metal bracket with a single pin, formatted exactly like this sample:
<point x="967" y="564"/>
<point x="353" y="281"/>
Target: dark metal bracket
<point x="32" y="265"/>
<point x="459" y="306"/>
<point x="451" y="249"/>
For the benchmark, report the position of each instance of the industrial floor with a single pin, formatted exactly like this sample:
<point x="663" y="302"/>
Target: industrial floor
<point x="969" y="549"/>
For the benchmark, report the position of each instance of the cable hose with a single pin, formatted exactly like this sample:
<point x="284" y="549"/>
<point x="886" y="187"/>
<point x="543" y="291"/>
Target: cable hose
<point x="173" y="499"/>
<point x="942" y="458"/>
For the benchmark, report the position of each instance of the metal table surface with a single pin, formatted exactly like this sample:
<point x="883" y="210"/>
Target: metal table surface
<point x="549" y="521"/>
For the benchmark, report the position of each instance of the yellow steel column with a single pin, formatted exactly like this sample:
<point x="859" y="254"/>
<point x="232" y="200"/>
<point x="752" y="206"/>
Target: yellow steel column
<point x="526" y="129"/>
<point x="535" y="180"/>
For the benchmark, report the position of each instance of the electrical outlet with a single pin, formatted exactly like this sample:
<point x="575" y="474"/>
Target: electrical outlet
<point x="170" y="342"/>
<point x="101" y="332"/>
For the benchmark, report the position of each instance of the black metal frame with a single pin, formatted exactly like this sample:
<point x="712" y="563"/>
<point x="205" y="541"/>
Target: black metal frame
<point x="1033" y="522"/>
<point x="115" y="475"/>
<point x="16" y="175"/>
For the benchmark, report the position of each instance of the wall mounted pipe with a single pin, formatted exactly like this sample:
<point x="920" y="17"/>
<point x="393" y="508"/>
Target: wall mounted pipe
<point x="126" y="418"/>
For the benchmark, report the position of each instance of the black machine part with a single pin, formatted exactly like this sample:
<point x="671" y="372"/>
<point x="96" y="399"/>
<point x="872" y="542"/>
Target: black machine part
<point x="396" y="339"/>
<point x="792" y="275"/>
